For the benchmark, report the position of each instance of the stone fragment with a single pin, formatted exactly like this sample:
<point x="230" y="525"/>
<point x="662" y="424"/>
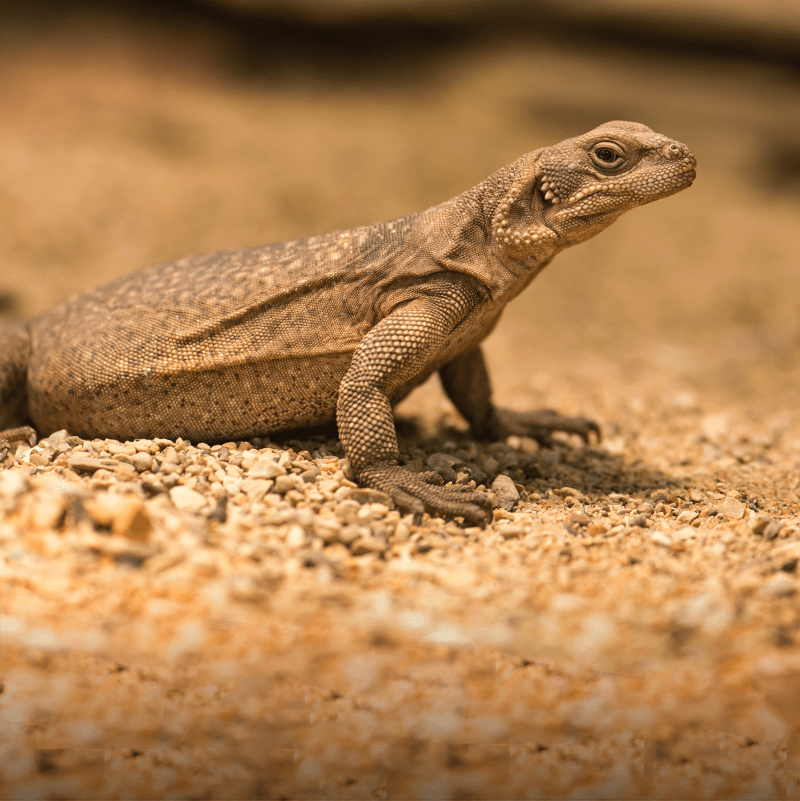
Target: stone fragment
<point x="779" y="585"/>
<point x="443" y="463"/>
<point x="731" y="508"/>
<point x="761" y="523"/>
<point x="266" y="467"/>
<point x="571" y="492"/>
<point x="89" y="464"/>
<point x="187" y="499"/>
<point x="220" y="510"/>
<point x="352" y="532"/>
<point x="13" y="483"/>
<point x="310" y="475"/>
<point x="47" y="511"/>
<point x="39" y="458"/>
<point x="296" y="537"/>
<point x="124" y="515"/>
<point x="401" y="533"/>
<point x="125" y="472"/>
<point x="256" y="488"/>
<point x="505" y="492"/>
<point x="286" y="483"/>
<point x="661" y="538"/>
<point x="57" y="437"/>
<point x="687" y="516"/>
<point x="327" y="527"/>
<point x="370" y="544"/>
<point x="142" y="460"/>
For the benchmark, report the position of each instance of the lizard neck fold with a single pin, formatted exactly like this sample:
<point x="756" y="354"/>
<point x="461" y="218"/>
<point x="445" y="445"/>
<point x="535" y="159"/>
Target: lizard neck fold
<point x="481" y="233"/>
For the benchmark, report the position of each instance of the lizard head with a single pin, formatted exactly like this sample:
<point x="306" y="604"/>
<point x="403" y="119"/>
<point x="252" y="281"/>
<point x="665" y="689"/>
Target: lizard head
<point x="570" y="191"/>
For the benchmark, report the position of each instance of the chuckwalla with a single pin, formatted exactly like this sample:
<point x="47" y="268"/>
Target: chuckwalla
<point x="247" y="342"/>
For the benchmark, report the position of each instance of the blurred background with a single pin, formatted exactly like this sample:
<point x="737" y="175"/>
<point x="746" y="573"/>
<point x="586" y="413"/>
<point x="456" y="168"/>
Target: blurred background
<point x="139" y="132"/>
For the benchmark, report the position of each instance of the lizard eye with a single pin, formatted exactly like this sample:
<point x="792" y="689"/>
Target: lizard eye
<point x="607" y="154"/>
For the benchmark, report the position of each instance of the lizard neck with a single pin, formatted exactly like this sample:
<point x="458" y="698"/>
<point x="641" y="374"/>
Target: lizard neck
<point x="462" y="234"/>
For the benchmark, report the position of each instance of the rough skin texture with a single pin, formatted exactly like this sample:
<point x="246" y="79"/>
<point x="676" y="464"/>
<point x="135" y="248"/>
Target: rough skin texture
<point x="248" y="342"/>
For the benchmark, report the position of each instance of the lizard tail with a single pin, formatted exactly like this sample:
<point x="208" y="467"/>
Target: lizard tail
<point x="15" y="347"/>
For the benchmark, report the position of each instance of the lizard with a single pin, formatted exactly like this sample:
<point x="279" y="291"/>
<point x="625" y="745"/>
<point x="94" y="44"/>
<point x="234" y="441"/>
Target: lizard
<point x="340" y="326"/>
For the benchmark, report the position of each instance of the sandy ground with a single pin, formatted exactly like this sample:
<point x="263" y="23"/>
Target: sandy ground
<point x="629" y="629"/>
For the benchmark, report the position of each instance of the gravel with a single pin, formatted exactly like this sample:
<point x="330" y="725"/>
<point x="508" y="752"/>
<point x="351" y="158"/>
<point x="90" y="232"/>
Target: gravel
<point x="250" y="595"/>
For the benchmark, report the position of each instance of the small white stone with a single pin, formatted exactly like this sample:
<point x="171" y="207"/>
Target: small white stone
<point x="187" y="499"/>
<point x="731" y="508"/>
<point x="266" y="467"/>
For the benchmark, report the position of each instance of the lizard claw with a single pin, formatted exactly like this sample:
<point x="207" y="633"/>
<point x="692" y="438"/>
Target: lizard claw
<point x="541" y="423"/>
<point x="413" y="493"/>
<point x="21" y="434"/>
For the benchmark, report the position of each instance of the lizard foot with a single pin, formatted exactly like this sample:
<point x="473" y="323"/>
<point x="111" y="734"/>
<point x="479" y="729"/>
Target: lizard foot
<point x="418" y="492"/>
<point x="540" y="424"/>
<point x="21" y="434"/>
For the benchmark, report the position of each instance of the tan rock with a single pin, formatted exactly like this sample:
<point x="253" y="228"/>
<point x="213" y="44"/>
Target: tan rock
<point x="187" y="499"/>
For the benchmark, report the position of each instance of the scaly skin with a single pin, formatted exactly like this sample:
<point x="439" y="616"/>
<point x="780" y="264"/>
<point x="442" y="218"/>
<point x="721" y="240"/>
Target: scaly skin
<point x="249" y="342"/>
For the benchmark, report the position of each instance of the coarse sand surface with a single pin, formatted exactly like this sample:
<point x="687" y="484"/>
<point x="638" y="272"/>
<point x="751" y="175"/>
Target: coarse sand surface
<point x="239" y="620"/>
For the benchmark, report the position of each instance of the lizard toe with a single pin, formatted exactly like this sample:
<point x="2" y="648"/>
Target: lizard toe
<point x="540" y="425"/>
<point x="412" y="493"/>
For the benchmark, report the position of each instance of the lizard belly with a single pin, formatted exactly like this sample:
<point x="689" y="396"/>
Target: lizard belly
<point x="215" y="404"/>
<point x="124" y="381"/>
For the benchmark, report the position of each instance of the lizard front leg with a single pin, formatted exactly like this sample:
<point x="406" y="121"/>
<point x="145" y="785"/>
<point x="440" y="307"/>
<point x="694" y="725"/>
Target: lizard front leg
<point x="391" y="354"/>
<point x="467" y="384"/>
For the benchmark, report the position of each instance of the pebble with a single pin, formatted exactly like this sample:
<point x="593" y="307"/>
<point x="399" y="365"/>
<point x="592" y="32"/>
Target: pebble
<point x="731" y="508"/>
<point x="369" y="544"/>
<point x="327" y="527"/>
<point x="661" y="538"/>
<point x="187" y="499"/>
<point x="331" y="546"/>
<point x="89" y="464"/>
<point x="125" y="516"/>
<point x="506" y="492"/>
<point x="266" y="467"/>
<point x="142" y="461"/>
<point x="286" y="483"/>
<point x="48" y="511"/>
<point x="767" y="527"/>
